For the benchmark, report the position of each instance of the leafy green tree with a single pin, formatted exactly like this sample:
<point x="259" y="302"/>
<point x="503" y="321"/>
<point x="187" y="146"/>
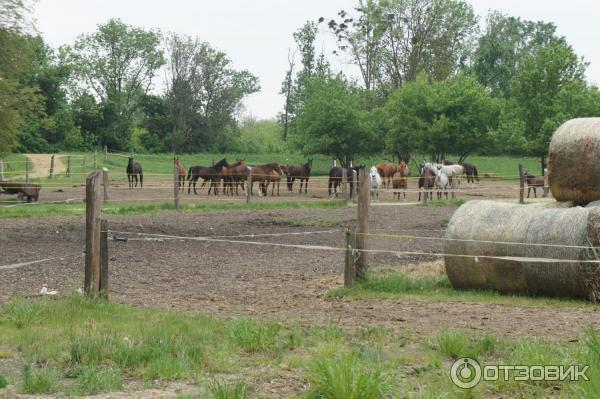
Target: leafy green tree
<point x="203" y="94"/>
<point x="501" y="50"/>
<point x="117" y="63"/>
<point x="548" y="89"/>
<point x="333" y="120"/>
<point x="440" y="118"/>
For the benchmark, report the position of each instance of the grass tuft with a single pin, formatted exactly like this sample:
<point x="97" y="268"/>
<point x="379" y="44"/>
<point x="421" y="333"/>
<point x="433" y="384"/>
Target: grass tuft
<point x="39" y="381"/>
<point x="219" y="389"/>
<point x="22" y="312"/>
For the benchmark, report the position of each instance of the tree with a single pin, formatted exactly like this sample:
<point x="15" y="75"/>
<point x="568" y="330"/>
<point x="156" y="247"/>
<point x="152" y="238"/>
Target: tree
<point x="287" y="89"/>
<point x="541" y="93"/>
<point x="204" y="92"/>
<point x="501" y="50"/>
<point x="333" y="120"/>
<point x="117" y="63"/>
<point x="17" y="100"/>
<point x="440" y="118"/>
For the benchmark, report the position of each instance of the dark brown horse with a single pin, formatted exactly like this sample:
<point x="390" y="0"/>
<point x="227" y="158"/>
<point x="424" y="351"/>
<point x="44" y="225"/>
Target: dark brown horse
<point x="233" y="175"/>
<point x="180" y="174"/>
<point x="134" y="170"/>
<point x="426" y="182"/>
<point x="335" y="178"/>
<point x="301" y="172"/>
<point x="207" y="173"/>
<point x="534" y="183"/>
<point x="261" y="174"/>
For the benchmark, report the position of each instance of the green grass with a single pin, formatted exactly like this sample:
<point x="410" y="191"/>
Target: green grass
<point x="398" y="285"/>
<point x="74" y="347"/>
<point x="44" y="210"/>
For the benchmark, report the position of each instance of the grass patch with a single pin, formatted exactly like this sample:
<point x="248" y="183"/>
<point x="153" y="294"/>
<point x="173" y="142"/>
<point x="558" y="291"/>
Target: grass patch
<point x="396" y="285"/>
<point x="39" y="381"/>
<point x="449" y="202"/>
<point x="3" y="382"/>
<point x="79" y="209"/>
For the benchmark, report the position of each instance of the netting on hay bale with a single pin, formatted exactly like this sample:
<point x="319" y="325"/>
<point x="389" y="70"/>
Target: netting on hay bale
<point x="509" y="228"/>
<point x="573" y="167"/>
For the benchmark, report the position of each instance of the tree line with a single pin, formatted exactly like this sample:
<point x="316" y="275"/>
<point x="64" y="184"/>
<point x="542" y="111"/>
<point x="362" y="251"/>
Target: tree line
<point x="433" y="83"/>
<point x="97" y="90"/>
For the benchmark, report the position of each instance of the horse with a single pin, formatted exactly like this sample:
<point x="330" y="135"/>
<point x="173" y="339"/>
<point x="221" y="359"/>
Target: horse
<point x="441" y="182"/>
<point x="386" y="171"/>
<point x="376" y="182"/>
<point x="400" y="179"/>
<point x="233" y="175"/>
<point x="469" y="169"/>
<point x="261" y="174"/>
<point x="274" y="176"/>
<point x="452" y="172"/>
<point x="180" y="174"/>
<point x="134" y="170"/>
<point x="426" y="182"/>
<point x="533" y="183"/>
<point x="212" y="173"/>
<point x="335" y="178"/>
<point x="300" y="172"/>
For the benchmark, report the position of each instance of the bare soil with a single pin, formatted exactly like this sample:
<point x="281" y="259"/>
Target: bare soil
<point x="268" y="282"/>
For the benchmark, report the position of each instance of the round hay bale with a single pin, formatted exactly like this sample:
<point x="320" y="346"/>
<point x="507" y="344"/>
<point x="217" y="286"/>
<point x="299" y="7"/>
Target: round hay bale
<point x="573" y="167"/>
<point x="486" y="229"/>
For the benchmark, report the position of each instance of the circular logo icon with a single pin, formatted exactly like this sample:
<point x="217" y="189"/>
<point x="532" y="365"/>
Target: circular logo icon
<point x="465" y="373"/>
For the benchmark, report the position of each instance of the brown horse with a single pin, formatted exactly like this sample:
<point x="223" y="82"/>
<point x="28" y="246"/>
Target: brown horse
<point x="261" y="174"/>
<point x="400" y="179"/>
<point x="273" y="177"/>
<point x="180" y="174"/>
<point x="426" y="182"/>
<point x="233" y="175"/>
<point x="386" y="171"/>
<point x="301" y="172"/>
<point x="533" y="183"/>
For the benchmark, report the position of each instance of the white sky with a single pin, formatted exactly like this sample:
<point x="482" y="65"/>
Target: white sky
<point x="256" y="34"/>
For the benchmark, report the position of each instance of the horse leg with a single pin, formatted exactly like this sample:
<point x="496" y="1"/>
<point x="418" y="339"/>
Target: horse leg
<point x="306" y="186"/>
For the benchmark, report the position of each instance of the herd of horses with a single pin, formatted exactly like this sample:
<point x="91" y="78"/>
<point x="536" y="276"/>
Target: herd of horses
<point x="228" y="178"/>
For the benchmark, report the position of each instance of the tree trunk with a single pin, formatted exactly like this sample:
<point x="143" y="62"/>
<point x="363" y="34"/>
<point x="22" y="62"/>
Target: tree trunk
<point x="543" y="163"/>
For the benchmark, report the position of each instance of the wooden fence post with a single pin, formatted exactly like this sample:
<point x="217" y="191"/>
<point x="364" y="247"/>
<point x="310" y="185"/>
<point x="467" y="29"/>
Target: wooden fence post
<point x="354" y="185"/>
<point x="68" y="166"/>
<point x="349" y="266"/>
<point x="105" y="153"/>
<point x="51" y="166"/>
<point x="26" y="170"/>
<point x="92" y="234"/>
<point x="363" y="225"/>
<point x="521" y="185"/>
<point x="546" y="185"/>
<point x="103" y="288"/>
<point x="176" y="186"/>
<point x="95" y="159"/>
<point x="105" y="183"/>
<point x="1" y="170"/>
<point x="345" y="184"/>
<point x="249" y="185"/>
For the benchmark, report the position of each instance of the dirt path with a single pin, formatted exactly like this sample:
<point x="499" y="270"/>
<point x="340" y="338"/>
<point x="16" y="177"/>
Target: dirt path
<point x="283" y="283"/>
<point x="41" y="164"/>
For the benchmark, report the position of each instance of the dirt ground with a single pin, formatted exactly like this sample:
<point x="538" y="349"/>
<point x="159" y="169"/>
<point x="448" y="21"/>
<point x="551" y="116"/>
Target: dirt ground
<point x="270" y="282"/>
<point x="41" y="164"/>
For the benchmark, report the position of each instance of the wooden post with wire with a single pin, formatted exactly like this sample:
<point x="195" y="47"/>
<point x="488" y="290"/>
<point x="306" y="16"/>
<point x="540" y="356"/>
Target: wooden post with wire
<point x="363" y="225"/>
<point x="105" y="183"/>
<point x="51" y="166"/>
<point x="95" y="159"/>
<point x="176" y="186"/>
<point x="1" y="170"/>
<point x="105" y="153"/>
<point x="68" y="166"/>
<point x="354" y="185"/>
<point x="249" y="185"/>
<point x="103" y="288"/>
<point x="92" y="234"/>
<point x="349" y="266"/>
<point x="26" y="170"/>
<point x="345" y="184"/>
<point x="521" y="185"/>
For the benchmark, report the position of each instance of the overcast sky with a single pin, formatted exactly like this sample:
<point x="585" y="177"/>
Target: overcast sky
<point x="257" y="34"/>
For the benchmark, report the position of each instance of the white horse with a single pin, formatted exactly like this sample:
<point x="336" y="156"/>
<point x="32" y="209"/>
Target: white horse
<point x="375" y="182"/>
<point x="452" y="172"/>
<point x="441" y="182"/>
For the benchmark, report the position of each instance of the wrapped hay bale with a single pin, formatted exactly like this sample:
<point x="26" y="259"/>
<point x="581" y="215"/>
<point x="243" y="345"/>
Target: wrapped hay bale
<point x="498" y="234"/>
<point x="573" y="167"/>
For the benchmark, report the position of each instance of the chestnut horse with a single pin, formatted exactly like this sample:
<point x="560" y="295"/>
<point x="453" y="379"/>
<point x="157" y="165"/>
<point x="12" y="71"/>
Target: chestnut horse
<point x="234" y="175"/>
<point x="180" y="174"/>
<point x="400" y="179"/>
<point x="386" y="171"/>
<point x="426" y="182"/>
<point x="261" y="174"/>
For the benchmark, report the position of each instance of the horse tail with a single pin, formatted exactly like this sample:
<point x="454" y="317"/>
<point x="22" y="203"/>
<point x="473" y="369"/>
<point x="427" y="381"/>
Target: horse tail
<point x="189" y="175"/>
<point x="475" y="173"/>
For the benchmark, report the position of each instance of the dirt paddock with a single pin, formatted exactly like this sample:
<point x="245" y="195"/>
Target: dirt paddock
<point x="283" y="283"/>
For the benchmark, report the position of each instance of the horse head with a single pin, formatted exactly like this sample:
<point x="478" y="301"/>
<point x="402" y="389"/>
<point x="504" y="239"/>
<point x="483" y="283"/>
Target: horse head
<point x="219" y="165"/>
<point x="308" y="165"/>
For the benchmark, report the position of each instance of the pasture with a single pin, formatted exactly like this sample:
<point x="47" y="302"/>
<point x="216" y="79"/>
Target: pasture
<point x="226" y="299"/>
